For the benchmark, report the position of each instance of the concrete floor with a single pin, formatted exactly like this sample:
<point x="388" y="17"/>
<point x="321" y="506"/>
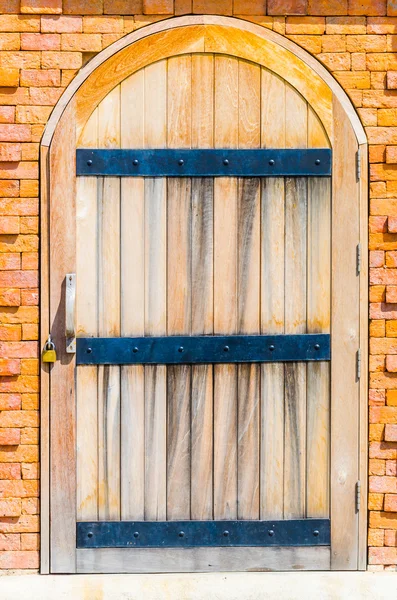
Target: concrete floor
<point x="222" y="586"/>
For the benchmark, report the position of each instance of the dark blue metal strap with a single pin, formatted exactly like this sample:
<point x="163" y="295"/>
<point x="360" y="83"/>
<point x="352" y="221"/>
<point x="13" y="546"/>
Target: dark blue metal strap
<point x="190" y="534"/>
<point x="204" y="163"/>
<point x="176" y="350"/>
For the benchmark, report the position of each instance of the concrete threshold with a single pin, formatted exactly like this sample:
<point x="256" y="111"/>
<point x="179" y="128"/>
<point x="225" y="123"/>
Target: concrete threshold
<point x="211" y="586"/>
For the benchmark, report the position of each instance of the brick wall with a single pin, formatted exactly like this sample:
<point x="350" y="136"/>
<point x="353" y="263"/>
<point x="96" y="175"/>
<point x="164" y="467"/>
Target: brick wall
<point x="42" y="45"/>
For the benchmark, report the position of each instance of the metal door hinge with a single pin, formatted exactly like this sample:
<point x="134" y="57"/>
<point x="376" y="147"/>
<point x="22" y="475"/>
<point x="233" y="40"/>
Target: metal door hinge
<point x="358" y="495"/>
<point x="358" y="258"/>
<point x="358" y="164"/>
<point x="358" y="363"/>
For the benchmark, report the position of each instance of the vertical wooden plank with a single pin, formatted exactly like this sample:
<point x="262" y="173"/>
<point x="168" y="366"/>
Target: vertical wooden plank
<point x="248" y="294"/>
<point x="87" y="325"/>
<point x="345" y="343"/>
<point x="179" y="105"/>
<point x="155" y="296"/>
<point x="62" y="406"/>
<point x="201" y="501"/>
<point x="272" y="302"/>
<point x="295" y="313"/>
<point x="109" y="314"/>
<point x="132" y="247"/>
<point x="318" y="321"/>
<point x="225" y="292"/>
<point x="45" y="368"/>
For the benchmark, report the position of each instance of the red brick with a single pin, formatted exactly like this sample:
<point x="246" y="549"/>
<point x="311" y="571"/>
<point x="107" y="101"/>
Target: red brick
<point x="325" y="7"/>
<point x="216" y="7"/>
<point x="286" y="7"/>
<point x="7" y="114"/>
<point x="367" y="7"/>
<point x="377" y="397"/>
<point x="10" y="333"/>
<point x="390" y="503"/>
<point x="10" y="297"/>
<point x="29" y="297"/>
<point x="40" y="41"/>
<point x="15" y="133"/>
<point x="9" y="437"/>
<point x="10" y="402"/>
<point x="83" y="7"/>
<point x="127" y="7"/>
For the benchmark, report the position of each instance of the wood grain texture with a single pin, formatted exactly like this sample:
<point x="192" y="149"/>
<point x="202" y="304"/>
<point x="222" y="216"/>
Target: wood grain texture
<point x="345" y="342"/>
<point x="155" y="297"/>
<point x="203" y="560"/>
<point x="132" y="303"/>
<point x="109" y="314"/>
<point x="225" y="292"/>
<point x="62" y="407"/>
<point x="44" y="368"/>
<point x="87" y="325"/>
<point x="272" y="301"/>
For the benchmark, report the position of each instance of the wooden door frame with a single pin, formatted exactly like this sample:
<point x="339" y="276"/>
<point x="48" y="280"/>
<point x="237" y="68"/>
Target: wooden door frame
<point x="224" y="35"/>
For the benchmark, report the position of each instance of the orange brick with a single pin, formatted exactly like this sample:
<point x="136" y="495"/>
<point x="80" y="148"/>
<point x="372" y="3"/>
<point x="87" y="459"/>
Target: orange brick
<point x="22" y="243"/>
<point x="61" y="60"/>
<point x="358" y="61"/>
<point x="30" y="152"/>
<point x="24" y="314"/>
<point x="391" y="8"/>
<point x="375" y="501"/>
<point x="103" y="24"/>
<point x="336" y="61"/>
<point x="390" y="538"/>
<point x="10" y="41"/>
<point x="377" y="380"/>
<point x="376" y="397"/>
<point x="377" y="153"/>
<point x="67" y="76"/>
<point x="125" y="7"/>
<point x="9" y="366"/>
<point x="354" y="79"/>
<point x="391" y="80"/>
<point x="83" y="7"/>
<point x="29" y="225"/>
<point x="392" y="397"/>
<point x="10" y="333"/>
<point x="30" y="541"/>
<point x="7" y="114"/>
<point x="10" y="297"/>
<point x="40" y="41"/>
<point x="286" y="7"/>
<point x="9" y="77"/>
<point x="14" y="23"/>
<point x="305" y="25"/>
<point x="391" y="156"/>
<point x="30" y="331"/>
<point x="215" y="7"/>
<point x="10" y="507"/>
<point x="30" y="435"/>
<point x="25" y="523"/>
<point x="18" y="350"/>
<point x="29" y="297"/>
<point x="367" y="7"/>
<point x="377" y="328"/>
<point x="82" y="42"/>
<point x="376" y="363"/>
<point x="381" y="25"/>
<point x="311" y="43"/>
<point x="352" y="25"/>
<point x="375" y="537"/>
<point x="32" y="114"/>
<point x="378" y="80"/>
<point x="41" y="6"/>
<point x="391" y="328"/>
<point x="20" y="60"/>
<point x="30" y="506"/>
<point x="9" y="6"/>
<point x="10" y="402"/>
<point x="11" y="471"/>
<point x="61" y="24"/>
<point x="377" y="467"/>
<point x="376" y="432"/>
<point x="366" y="43"/>
<point x="30" y="471"/>
<point x="240" y="7"/>
<point x="30" y="402"/>
<point x="9" y="225"/>
<point x="334" y="43"/>
<point x="325" y="7"/>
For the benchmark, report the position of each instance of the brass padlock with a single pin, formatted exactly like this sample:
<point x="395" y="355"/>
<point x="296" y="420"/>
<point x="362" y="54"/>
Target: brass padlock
<point x="49" y="353"/>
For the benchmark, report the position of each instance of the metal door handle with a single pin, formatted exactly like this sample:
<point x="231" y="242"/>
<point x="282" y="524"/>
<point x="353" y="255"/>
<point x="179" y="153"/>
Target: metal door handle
<point x="70" y="319"/>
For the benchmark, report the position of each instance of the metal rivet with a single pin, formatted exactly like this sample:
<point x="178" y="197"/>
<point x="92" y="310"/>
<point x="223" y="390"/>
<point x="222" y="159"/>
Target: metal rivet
<point x="181" y="161"/>
<point x="89" y="350"/>
<point x="135" y="349"/>
<point x="225" y="161"/>
<point x="226" y="349"/>
<point x="271" y="532"/>
<point x="317" y="346"/>
<point x="90" y="534"/>
<point x="226" y="533"/>
<point x="318" y="161"/>
<point x="271" y="162"/>
<point x="136" y="534"/>
<point x="180" y="349"/>
<point x="181" y="534"/>
<point x="316" y="533"/>
<point x="135" y="162"/>
<point x="89" y="162"/>
<point x="271" y="348"/>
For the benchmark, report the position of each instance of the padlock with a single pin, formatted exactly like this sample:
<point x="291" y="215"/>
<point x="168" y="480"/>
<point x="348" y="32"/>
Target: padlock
<point x="49" y="354"/>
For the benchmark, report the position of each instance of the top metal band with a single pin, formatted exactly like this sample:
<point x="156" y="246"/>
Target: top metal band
<point x="312" y="162"/>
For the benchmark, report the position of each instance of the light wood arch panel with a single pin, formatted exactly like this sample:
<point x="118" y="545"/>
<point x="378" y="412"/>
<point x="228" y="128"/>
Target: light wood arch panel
<point x="341" y="125"/>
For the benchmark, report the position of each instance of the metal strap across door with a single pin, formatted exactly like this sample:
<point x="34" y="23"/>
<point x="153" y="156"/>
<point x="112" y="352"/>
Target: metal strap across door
<point x="209" y="349"/>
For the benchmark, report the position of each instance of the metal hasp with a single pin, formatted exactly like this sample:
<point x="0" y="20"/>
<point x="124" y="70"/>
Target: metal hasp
<point x="177" y="350"/>
<point x="191" y="534"/>
<point x="311" y="162"/>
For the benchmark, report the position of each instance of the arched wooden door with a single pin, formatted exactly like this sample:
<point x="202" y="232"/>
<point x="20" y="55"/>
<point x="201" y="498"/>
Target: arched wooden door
<point x="206" y="411"/>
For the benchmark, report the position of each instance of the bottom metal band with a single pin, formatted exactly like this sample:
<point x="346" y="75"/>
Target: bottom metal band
<point x="189" y="534"/>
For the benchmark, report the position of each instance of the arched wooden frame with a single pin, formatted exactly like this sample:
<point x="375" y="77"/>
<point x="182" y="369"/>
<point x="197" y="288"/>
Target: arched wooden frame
<point x="223" y="35"/>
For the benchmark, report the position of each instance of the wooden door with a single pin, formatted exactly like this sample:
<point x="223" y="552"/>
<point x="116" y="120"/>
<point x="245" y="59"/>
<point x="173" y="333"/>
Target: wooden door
<point x="204" y="395"/>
